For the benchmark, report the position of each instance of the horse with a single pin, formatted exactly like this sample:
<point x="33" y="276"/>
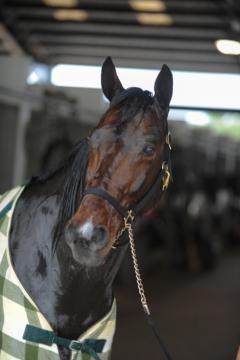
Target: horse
<point x="63" y="227"/>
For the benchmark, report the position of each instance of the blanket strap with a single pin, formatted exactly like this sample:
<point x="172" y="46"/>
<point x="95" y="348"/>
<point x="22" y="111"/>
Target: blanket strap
<point x="40" y="336"/>
<point x="6" y="209"/>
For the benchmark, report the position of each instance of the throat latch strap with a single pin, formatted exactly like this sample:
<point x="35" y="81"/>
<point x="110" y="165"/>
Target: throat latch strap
<point x="40" y="336"/>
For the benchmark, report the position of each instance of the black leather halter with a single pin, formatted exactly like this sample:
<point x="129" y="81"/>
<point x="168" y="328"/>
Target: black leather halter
<point x="161" y="181"/>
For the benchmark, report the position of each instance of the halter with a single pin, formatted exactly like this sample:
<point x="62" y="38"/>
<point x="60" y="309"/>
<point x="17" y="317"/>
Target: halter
<point x="161" y="181"/>
<point x="128" y="214"/>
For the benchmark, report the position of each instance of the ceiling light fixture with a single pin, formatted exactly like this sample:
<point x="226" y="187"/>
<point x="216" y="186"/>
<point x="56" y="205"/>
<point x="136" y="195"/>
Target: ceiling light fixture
<point x="32" y="78"/>
<point x="70" y="15"/>
<point x="61" y="3"/>
<point x="147" y="5"/>
<point x="228" y="47"/>
<point x="154" y="19"/>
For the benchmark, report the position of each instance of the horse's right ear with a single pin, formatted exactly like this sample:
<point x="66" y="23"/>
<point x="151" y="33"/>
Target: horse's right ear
<point x="163" y="87"/>
<point x="111" y="84"/>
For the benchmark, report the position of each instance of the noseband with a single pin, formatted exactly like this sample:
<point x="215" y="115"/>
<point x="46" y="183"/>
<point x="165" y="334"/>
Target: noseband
<point x="161" y="181"/>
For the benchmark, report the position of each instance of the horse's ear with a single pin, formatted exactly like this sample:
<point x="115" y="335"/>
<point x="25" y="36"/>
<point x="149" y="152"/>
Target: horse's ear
<point x="111" y="84"/>
<point x="163" y="87"/>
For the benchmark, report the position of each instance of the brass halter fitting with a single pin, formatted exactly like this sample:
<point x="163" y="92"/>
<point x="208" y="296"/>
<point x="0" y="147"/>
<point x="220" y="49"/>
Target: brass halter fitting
<point x="128" y="219"/>
<point x="168" y="140"/>
<point x="166" y="176"/>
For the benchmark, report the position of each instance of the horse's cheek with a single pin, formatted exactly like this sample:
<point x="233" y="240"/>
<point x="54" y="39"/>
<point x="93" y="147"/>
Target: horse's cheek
<point x="138" y="182"/>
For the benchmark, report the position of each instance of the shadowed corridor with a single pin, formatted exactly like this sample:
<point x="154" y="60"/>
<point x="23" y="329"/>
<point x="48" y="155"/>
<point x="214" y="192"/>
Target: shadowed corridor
<point x="197" y="315"/>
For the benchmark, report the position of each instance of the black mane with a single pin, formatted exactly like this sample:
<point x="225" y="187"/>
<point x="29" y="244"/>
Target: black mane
<point x="73" y="189"/>
<point x="73" y="169"/>
<point x="142" y="98"/>
<point x="134" y="100"/>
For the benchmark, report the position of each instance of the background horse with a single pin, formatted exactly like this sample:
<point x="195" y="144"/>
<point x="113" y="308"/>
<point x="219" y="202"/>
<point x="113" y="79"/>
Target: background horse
<point x="65" y="223"/>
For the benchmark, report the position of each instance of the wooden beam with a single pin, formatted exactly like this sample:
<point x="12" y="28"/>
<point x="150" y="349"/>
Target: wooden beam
<point x="36" y="27"/>
<point x="171" y="5"/>
<point x="131" y="42"/>
<point x="177" y="55"/>
<point x="10" y="44"/>
<point x="124" y="17"/>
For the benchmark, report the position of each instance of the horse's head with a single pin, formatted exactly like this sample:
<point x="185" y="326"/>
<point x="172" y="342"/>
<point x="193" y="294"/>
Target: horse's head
<point x="126" y="153"/>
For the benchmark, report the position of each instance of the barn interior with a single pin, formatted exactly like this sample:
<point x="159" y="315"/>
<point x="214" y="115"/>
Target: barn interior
<point x="51" y="52"/>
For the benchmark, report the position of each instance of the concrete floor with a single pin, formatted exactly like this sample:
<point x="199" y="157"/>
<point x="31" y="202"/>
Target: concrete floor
<point x="197" y="315"/>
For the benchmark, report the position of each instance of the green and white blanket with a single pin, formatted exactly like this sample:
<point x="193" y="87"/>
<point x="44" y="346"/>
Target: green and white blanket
<point x="18" y="310"/>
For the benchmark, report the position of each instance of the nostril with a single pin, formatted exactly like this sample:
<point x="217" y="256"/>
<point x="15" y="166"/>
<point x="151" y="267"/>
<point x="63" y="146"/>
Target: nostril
<point x="100" y="235"/>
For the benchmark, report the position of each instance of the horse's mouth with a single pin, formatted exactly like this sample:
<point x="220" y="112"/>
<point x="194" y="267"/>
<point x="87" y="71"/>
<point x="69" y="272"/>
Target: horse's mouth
<point x="88" y="251"/>
<point x="87" y="256"/>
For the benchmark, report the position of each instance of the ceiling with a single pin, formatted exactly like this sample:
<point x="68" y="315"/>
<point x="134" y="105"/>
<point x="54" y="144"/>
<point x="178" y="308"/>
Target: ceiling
<point x="135" y="33"/>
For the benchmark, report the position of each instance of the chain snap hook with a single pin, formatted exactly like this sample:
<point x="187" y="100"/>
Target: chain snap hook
<point x="128" y="219"/>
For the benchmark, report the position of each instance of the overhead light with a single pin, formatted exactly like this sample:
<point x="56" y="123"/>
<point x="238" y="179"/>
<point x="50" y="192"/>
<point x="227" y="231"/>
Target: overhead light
<point x="61" y="3"/>
<point x="32" y="78"/>
<point x="228" y="47"/>
<point x="191" y="89"/>
<point x="154" y="19"/>
<point x="38" y="74"/>
<point x="147" y="5"/>
<point x="70" y="15"/>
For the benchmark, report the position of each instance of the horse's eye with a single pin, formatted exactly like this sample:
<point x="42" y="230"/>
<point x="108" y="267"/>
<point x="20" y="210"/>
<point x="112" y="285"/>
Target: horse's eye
<point x="149" y="150"/>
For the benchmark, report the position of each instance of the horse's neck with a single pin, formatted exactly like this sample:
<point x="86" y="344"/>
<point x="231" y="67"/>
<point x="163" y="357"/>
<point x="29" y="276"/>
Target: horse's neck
<point x="86" y="293"/>
<point x="71" y="297"/>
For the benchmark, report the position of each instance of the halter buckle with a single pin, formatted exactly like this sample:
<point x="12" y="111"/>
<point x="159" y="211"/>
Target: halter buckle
<point x="75" y="345"/>
<point x="168" y="140"/>
<point x="166" y="176"/>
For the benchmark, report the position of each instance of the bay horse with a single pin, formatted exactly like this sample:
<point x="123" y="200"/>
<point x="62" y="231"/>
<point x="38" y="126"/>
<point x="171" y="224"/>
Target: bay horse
<point x="64" y="223"/>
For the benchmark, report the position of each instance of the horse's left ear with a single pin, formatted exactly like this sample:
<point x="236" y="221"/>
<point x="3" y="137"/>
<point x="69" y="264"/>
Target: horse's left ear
<point x="111" y="84"/>
<point x="163" y="87"/>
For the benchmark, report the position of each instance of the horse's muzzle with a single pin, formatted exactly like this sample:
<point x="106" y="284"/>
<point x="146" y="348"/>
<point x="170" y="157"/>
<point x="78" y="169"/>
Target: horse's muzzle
<point x="87" y="236"/>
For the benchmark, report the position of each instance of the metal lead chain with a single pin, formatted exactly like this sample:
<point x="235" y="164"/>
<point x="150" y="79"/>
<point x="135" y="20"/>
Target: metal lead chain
<point x="128" y="226"/>
<point x="128" y="220"/>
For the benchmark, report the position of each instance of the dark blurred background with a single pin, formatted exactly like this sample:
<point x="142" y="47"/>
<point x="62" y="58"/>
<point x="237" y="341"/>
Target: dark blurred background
<point x="189" y="248"/>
